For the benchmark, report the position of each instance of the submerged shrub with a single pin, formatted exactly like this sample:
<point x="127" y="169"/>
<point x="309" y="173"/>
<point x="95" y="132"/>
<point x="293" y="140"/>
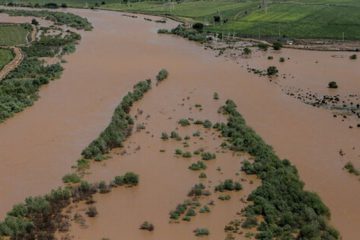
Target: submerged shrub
<point x="353" y="57"/>
<point x="272" y="70"/>
<point x="351" y="169"/>
<point x="129" y="179"/>
<point x="208" y="156"/>
<point x="71" y="178"/>
<point x="199" y="232"/>
<point x="147" y="226"/>
<point x="199" y="165"/>
<point x="332" y="84"/>
<point x="92" y="212"/>
<point x="162" y="75"/>
<point x="184" y="122"/>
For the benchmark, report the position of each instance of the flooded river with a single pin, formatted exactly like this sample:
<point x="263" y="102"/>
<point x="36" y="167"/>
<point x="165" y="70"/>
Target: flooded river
<point x="38" y="146"/>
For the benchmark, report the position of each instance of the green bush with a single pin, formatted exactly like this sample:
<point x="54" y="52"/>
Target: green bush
<point x="246" y="51"/>
<point x="184" y="122"/>
<point x="263" y="46"/>
<point x="197" y="166"/>
<point x="162" y="75"/>
<point x="199" y="232"/>
<point x="272" y="70"/>
<point x="187" y="155"/>
<point x="353" y="57"/>
<point x="228" y="185"/>
<point x="128" y="179"/>
<point x="277" y="45"/>
<point x="208" y="156"/>
<point x="71" y="178"/>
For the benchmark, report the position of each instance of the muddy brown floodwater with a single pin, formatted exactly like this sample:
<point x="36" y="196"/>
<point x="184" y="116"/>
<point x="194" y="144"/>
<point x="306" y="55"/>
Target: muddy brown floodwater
<point x="39" y="145"/>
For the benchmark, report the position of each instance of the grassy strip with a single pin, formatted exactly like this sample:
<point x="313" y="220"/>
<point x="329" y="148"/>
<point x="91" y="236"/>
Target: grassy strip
<point x="60" y="18"/>
<point x="289" y="212"/>
<point x="121" y="123"/>
<point x="6" y="56"/>
<point x="40" y="217"/>
<point x="13" y="34"/>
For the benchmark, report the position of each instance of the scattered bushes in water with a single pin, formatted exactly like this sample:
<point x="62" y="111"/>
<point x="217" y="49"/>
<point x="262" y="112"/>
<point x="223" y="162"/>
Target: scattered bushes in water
<point x="40" y="217"/>
<point x="228" y="185"/>
<point x="208" y="156"/>
<point x="120" y="126"/>
<point x="332" y="84"/>
<point x="287" y="209"/>
<point x="272" y="70"/>
<point x="162" y="75"/>
<point x="198" y="190"/>
<point x="184" y="122"/>
<point x="199" y="232"/>
<point x="147" y="226"/>
<point x="351" y="169"/>
<point x="182" y="208"/>
<point x="71" y="178"/>
<point x="129" y="179"/>
<point x="199" y="165"/>
<point x="92" y="212"/>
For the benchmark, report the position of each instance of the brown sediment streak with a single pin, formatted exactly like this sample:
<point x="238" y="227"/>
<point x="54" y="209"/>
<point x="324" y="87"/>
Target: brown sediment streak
<point x="39" y="145"/>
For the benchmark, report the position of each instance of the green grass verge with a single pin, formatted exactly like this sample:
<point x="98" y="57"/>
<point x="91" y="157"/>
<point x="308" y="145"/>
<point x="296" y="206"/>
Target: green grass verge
<point x="13" y="34"/>
<point x="6" y="55"/>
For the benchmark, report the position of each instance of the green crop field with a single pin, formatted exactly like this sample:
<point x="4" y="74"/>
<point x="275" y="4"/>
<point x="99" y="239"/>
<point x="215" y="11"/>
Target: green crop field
<point x="11" y="35"/>
<point x="330" y="19"/>
<point x="6" y="55"/>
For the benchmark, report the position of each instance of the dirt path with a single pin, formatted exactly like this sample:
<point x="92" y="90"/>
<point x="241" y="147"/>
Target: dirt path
<point x="19" y="56"/>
